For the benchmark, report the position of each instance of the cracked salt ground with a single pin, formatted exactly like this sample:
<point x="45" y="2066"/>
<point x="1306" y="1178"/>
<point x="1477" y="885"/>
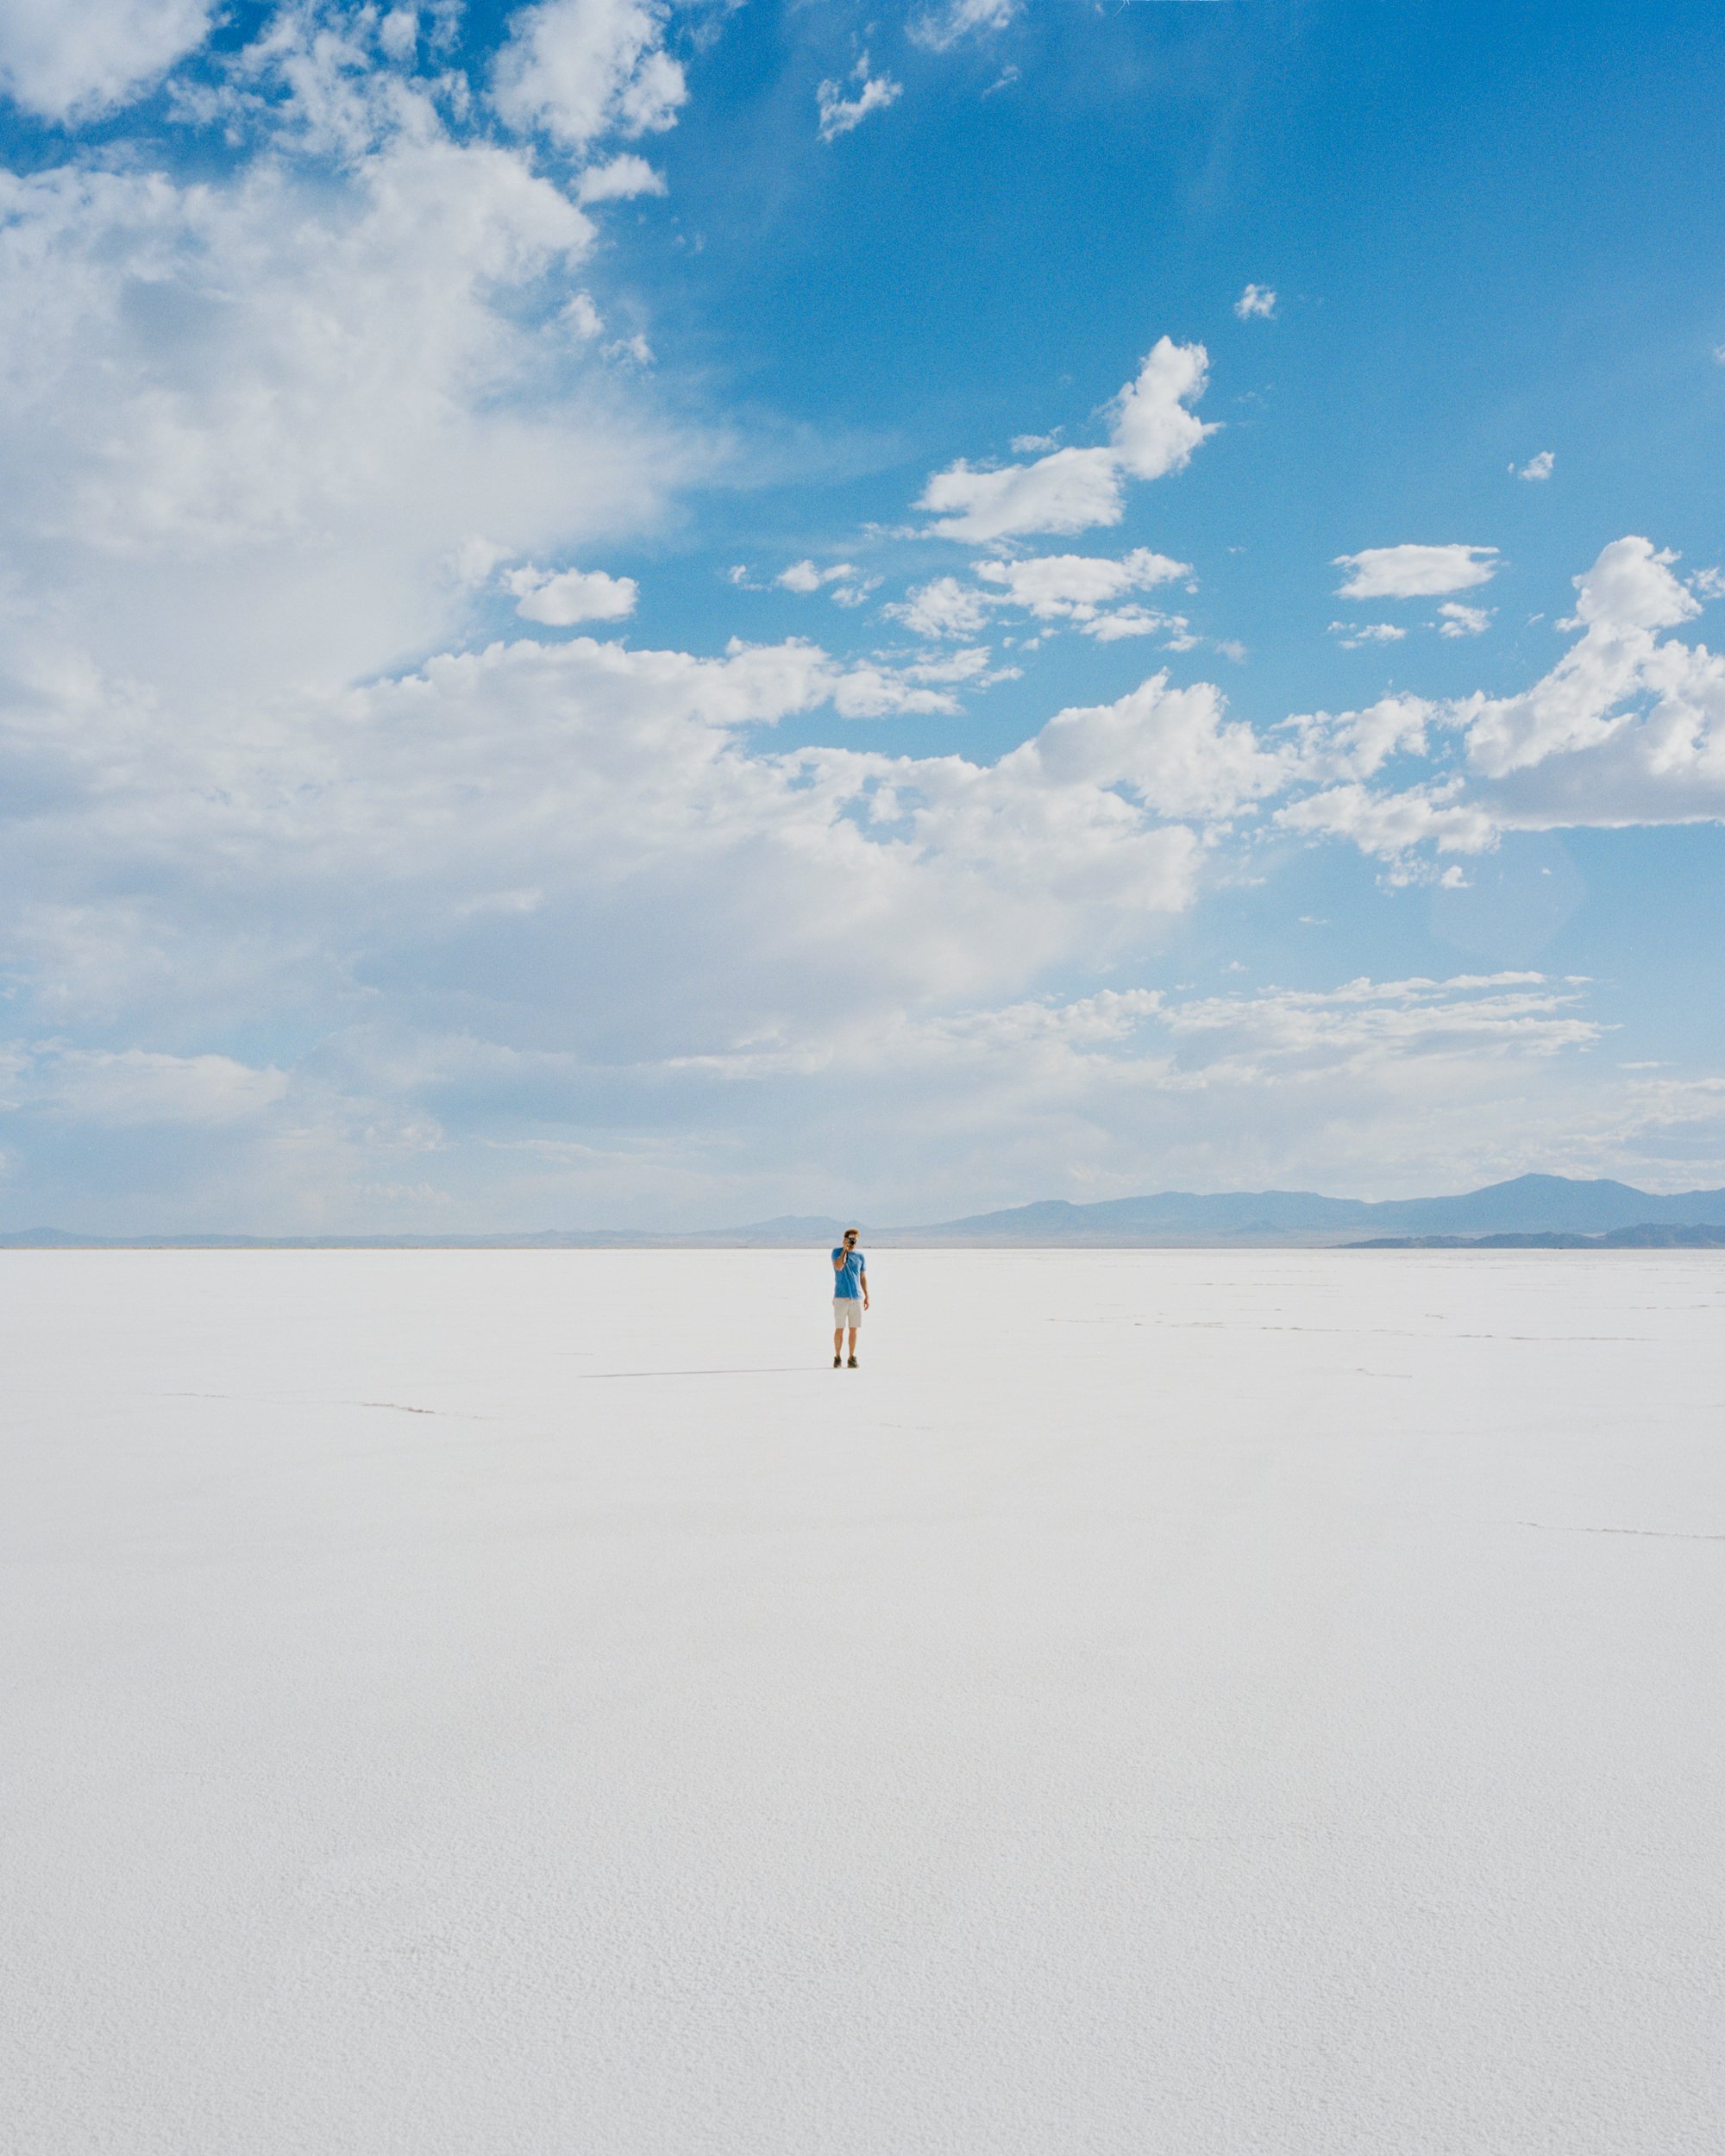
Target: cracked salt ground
<point x="1136" y="1731"/>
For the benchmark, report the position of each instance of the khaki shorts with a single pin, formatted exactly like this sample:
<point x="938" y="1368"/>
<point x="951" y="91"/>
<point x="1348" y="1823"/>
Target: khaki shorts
<point x="847" y="1312"/>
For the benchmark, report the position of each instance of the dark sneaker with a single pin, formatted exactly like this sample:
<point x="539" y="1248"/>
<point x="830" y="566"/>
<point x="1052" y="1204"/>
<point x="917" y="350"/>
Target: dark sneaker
<point x="837" y="1360"/>
<point x="853" y="1361"/>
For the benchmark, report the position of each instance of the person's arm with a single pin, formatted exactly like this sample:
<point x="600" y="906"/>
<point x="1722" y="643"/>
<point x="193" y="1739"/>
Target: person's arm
<point x="865" y="1278"/>
<point x="838" y="1261"/>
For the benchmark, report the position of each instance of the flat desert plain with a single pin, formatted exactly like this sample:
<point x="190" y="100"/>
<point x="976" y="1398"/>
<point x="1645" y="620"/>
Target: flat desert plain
<point x="459" y="1704"/>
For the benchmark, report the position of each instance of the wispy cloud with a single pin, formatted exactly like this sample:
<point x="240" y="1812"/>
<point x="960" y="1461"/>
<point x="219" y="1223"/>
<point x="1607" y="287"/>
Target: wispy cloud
<point x="941" y="29"/>
<point x="839" y="112"/>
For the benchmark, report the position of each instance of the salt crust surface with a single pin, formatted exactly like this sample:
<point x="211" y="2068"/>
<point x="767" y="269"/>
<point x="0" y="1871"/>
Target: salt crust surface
<point x="467" y="1703"/>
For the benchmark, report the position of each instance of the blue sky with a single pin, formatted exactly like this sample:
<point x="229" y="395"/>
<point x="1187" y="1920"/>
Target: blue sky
<point x="620" y="615"/>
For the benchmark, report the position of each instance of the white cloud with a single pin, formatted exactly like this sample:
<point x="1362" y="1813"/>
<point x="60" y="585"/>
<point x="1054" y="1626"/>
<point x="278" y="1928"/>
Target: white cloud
<point x="1285" y="1031"/>
<point x="121" y="1088"/>
<point x="1536" y="467"/>
<point x="581" y="318"/>
<point x="1359" y="743"/>
<point x="1075" y="585"/>
<point x="839" y="113"/>
<point x="399" y="32"/>
<point x="1627" y="728"/>
<point x="1414" y="572"/>
<point x="1464" y="621"/>
<point x="583" y="69"/>
<point x="973" y="664"/>
<point x="1175" y="629"/>
<point x="946" y="27"/>
<point x="174" y="398"/>
<point x="619" y="180"/>
<point x="843" y="581"/>
<point x="1352" y="635"/>
<point x="528" y="831"/>
<point x="1150" y="433"/>
<point x="1172" y="748"/>
<point x="1586" y="703"/>
<point x="1126" y="621"/>
<point x="271" y="436"/>
<point x="562" y="599"/>
<point x="1391" y="826"/>
<point x="73" y="61"/>
<point x="1257" y="300"/>
<point x="1630" y="589"/>
<point x="943" y="607"/>
<point x="1069" y="489"/>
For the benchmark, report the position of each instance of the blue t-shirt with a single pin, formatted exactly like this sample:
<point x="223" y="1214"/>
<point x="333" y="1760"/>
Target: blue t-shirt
<point x="846" y="1281"/>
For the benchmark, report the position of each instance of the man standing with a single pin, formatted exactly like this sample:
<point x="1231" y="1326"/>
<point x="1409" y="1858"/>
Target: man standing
<point x="850" y="1295"/>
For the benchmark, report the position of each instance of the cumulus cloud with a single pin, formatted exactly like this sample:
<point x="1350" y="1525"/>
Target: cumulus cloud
<point x="1536" y="467"/>
<point x="1353" y="635"/>
<point x="1152" y="433"/>
<point x="1414" y="572"/>
<point x="1175" y="629"/>
<point x="840" y="113"/>
<point x="1391" y="825"/>
<point x="1077" y="587"/>
<point x="842" y="581"/>
<point x="1173" y="749"/>
<point x="518" y="837"/>
<point x="274" y="434"/>
<point x="1627" y="728"/>
<point x="620" y="179"/>
<point x="581" y="318"/>
<point x="253" y="421"/>
<point x="73" y="61"/>
<point x="1463" y="620"/>
<point x="560" y="598"/>
<point x="1657" y="707"/>
<point x="581" y="69"/>
<point x="1069" y="490"/>
<point x="1053" y="586"/>
<point x="1256" y="300"/>
<point x="1359" y="744"/>
<point x="943" y="607"/>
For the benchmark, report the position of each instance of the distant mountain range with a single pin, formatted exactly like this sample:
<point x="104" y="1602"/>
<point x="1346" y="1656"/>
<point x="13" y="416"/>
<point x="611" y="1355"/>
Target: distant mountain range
<point x="1555" y="1211"/>
<point x="1650" y="1236"/>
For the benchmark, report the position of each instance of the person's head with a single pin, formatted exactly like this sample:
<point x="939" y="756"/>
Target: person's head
<point x="850" y="1238"/>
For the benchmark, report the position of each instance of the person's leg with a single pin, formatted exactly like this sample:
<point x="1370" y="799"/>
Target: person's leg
<point x="855" y="1323"/>
<point x="837" y="1345"/>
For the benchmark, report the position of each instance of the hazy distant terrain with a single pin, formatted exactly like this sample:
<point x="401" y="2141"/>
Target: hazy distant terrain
<point x="1530" y="1204"/>
<point x="1209" y="1701"/>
